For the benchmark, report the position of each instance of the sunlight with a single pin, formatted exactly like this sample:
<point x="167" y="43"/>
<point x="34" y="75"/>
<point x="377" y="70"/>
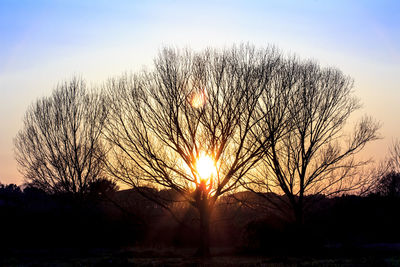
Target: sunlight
<point x="199" y="99"/>
<point x="205" y="167"/>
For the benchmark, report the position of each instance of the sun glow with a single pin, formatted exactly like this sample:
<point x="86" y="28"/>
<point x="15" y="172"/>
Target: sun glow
<point x="199" y="99"/>
<point x="205" y="167"/>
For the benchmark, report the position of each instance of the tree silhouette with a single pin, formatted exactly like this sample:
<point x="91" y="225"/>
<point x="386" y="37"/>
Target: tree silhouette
<point x="388" y="173"/>
<point x="393" y="162"/>
<point x="389" y="184"/>
<point x="190" y="105"/>
<point x="309" y="152"/>
<point x="59" y="148"/>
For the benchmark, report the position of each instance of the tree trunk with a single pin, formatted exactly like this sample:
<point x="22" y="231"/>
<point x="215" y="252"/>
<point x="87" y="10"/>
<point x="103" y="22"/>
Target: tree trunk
<point x="300" y="241"/>
<point x="204" y="240"/>
<point x="299" y="216"/>
<point x="204" y="205"/>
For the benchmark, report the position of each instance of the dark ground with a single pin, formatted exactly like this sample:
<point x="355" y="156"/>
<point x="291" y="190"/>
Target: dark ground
<point x="38" y="229"/>
<point x="374" y="255"/>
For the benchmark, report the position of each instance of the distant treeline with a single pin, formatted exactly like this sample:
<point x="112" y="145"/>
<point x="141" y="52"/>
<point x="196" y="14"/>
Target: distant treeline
<point x="105" y="217"/>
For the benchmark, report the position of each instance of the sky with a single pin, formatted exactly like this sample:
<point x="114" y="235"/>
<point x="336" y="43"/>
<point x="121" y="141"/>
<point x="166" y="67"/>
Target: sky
<point x="45" y="42"/>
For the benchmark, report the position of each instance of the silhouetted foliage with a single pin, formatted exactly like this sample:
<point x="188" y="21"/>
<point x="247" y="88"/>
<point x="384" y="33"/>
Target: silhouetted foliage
<point x="393" y="162"/>
<point x="33" y="218"/>
<point x="389" y="185"/>
<point x="103" y="188"/>
<point x="387" y="174"/>
<point x="9" y="195"/>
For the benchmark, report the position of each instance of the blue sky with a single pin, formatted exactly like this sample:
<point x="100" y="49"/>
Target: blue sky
<point x="44" y="42"/>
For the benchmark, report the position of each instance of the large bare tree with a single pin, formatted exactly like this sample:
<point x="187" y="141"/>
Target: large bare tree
<point x="309" y="152"/>
<point x="59" y="148"/>
<point x="186" y="124"/>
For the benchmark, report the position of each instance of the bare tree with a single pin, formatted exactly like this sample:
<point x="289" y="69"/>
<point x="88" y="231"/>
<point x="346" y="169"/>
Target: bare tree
<point x="393" y="162"/>
<point x="59" y="148"/>
<point x="388" y="173"/>
<point x="194" y="107"/>
<point x="308" y="152"/>
<point x="388" y="184"/>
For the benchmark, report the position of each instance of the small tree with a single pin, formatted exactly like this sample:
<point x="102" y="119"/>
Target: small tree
<point x="388" y="183"/>
<point x="59" y="148"/>
<point x="393" y="162"/>
<point x="186" y="124"/>
<point x="309" y="152"/>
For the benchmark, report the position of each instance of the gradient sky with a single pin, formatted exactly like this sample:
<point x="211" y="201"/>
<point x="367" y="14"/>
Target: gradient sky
<point x="45" y="42"/>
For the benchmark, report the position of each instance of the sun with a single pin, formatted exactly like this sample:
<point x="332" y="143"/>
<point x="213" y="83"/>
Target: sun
<point x="198" y="99"/>
<point x="205" y="167"/>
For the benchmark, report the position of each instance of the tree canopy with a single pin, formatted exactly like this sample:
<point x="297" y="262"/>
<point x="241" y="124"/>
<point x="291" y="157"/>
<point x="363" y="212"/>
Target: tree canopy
<point x="59" y="148"/>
